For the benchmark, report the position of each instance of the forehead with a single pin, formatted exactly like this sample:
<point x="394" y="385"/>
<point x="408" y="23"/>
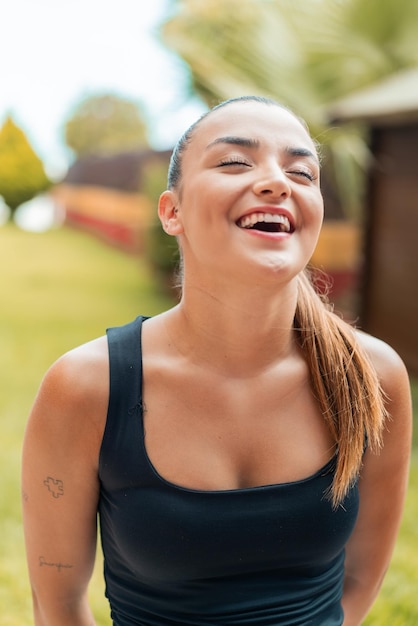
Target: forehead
<point x="259" y="121"/>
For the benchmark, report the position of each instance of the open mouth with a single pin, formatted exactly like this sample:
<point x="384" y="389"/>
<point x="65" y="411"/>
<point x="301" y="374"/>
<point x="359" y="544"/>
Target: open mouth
<point x="266" y="222"/>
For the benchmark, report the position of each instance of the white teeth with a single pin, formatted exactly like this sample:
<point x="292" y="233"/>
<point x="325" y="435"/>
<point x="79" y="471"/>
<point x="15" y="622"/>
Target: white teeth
<point x="249" y="221"/>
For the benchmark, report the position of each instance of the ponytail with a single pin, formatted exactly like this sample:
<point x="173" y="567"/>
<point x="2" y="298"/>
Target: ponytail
<point x="344" y="383"/>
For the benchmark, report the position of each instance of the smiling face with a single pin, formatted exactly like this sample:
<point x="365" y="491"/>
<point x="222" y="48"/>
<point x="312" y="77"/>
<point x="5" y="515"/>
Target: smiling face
<point x="248" y="198"/>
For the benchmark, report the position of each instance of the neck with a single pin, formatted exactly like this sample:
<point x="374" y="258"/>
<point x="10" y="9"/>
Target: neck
<point x="235" y="330"/>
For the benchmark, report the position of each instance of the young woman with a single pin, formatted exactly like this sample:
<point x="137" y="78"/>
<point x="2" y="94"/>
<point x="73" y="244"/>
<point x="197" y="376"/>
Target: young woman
<point x="247" y="451"/>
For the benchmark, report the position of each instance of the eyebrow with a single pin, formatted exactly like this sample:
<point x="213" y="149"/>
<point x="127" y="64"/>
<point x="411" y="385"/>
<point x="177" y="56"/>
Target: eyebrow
<point x="235" y="141"/>
<point x="301" y="152"/>
<point x="246" y="142"/>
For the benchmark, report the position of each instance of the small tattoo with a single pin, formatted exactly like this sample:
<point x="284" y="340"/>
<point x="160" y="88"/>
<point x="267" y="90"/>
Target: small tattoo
<point x="25" y="496"/>
<point x="55" y="486"/>
<point x="59" y="566"/>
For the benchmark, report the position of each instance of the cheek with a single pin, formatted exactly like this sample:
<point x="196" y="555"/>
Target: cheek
<point x="316" y="208"/>
<point x="320" y="215"/>
<point x="202" y="205"/>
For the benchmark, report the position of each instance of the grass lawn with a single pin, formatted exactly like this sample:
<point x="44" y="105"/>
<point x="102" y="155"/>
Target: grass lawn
<point x="61" y="289"/>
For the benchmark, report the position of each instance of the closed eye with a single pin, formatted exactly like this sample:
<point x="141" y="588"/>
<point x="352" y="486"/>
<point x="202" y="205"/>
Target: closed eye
<point x="303" y="173"/>
<point x="233" y="161"/>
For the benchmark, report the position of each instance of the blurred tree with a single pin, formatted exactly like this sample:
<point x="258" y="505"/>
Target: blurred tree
<point x="106" y="124"/>
<point x="22" y="175"/>
<point x="305" y="53"/>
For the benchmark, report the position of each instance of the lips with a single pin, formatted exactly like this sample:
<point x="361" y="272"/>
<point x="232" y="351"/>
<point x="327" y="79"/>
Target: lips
<point x="264" y="221"/>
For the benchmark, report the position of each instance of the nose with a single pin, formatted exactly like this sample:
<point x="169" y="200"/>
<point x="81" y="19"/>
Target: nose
<point x="272" y="181"/>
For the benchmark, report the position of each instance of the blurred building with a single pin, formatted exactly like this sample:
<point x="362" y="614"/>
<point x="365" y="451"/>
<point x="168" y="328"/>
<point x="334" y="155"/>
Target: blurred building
<point x="114" y="197"/>
<point x="389" y="293"/>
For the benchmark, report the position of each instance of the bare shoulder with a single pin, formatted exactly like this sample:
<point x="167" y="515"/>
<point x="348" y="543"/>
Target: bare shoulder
<point x="83" y="370"/>
<point x="395" y="383"/>
<point x="71" y="403"/>
<point x="388" y="364"/>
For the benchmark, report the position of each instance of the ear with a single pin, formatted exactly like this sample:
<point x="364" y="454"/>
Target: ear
<point x="169" y="214"/>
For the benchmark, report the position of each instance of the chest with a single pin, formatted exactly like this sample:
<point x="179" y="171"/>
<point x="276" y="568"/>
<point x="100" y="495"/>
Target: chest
<point x="206" y="432"/>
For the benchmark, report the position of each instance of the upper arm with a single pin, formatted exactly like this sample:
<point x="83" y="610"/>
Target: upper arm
<point x="60" y="476"/>
<point x="384" y="476"/>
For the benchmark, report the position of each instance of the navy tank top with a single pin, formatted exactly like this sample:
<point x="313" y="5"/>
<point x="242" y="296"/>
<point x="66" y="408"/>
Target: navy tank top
<point x="270" y="555"/>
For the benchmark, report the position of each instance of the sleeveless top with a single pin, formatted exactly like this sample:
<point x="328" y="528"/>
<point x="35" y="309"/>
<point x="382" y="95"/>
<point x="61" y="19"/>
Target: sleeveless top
<point x="173" y="556"/>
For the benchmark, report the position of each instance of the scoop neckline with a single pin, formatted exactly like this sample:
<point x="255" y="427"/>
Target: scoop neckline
<point x="239" y="490"/>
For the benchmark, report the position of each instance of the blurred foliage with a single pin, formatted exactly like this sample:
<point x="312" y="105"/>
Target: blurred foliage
<point x="161" y="250"/>
<point x="306" y="54"/>
<point x="22" y="174"/>
<point x="106" y="124"/>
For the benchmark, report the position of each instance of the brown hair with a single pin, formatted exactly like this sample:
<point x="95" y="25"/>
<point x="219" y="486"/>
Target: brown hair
<point x="343" y="379"/>
<point x="344" y="382"/>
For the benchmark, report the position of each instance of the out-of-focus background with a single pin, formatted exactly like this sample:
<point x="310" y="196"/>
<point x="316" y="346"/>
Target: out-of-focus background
<point x="93" y="96"/>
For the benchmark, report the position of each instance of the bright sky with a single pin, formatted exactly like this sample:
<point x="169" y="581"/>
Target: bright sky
<point x="55" y="52"/>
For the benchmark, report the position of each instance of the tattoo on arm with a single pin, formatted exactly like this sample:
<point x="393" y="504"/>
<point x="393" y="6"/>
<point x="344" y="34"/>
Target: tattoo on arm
<point x="59" y="566"/>
<point x="55" y="486"/>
